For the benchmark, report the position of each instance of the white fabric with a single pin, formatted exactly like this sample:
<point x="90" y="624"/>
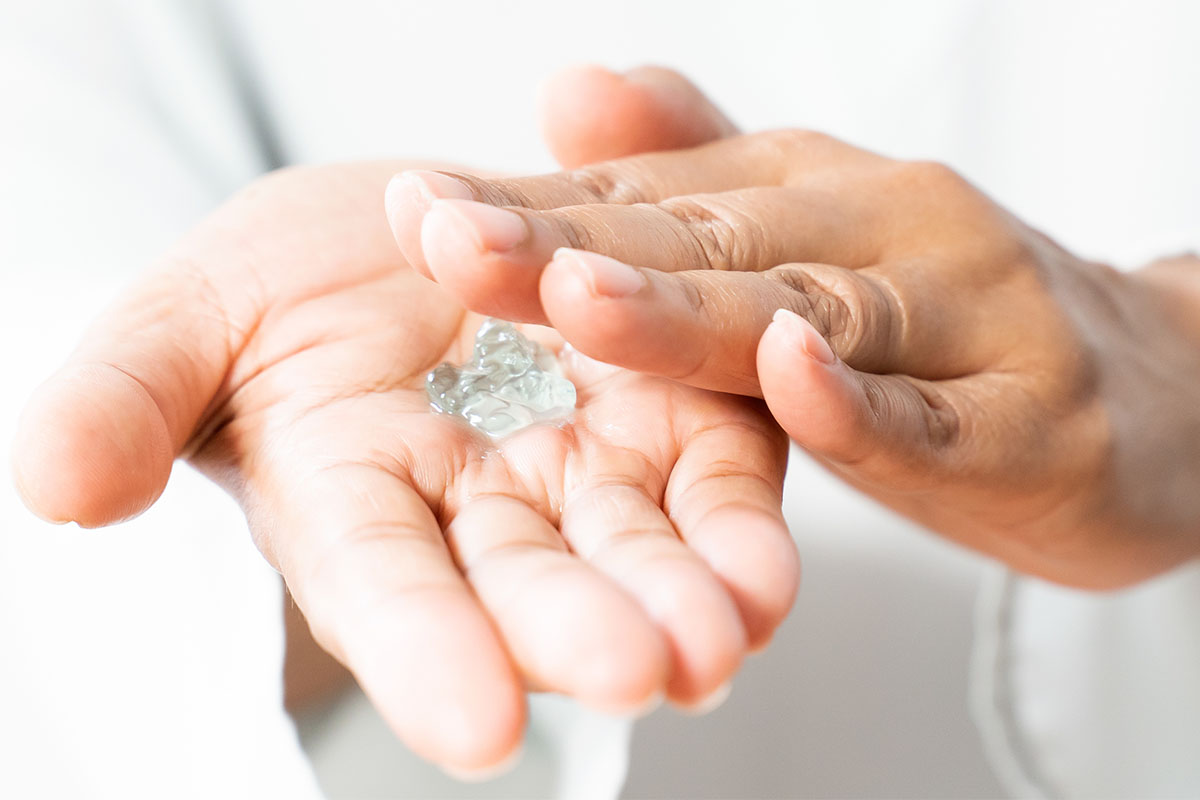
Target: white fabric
<point x="1093" y="696"/>
<point x="143" y="661"/>
<point x="568" y="754"/>
<point x="861" y="694"/>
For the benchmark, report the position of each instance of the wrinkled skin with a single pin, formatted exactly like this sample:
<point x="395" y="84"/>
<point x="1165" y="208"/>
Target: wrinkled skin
<point x="635" y="550"/>
<point x="933" y="350"/>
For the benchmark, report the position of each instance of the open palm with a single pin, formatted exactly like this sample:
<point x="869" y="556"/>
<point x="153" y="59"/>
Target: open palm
<point x="283" y="346"/>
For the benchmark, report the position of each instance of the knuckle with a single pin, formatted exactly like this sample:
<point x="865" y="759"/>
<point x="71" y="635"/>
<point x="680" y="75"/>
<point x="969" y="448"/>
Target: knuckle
<point x="943" y="422"/>
<point x="798" y="152"/>
<point x="856" y="315"/>
<point x="930" y="176"/>
<point x="792" y="140"/>
<point x="827" y="310"/>
<point x="938" y="422"/>
<point x="1073" y="359"/>
<point x="879" y="321"/>
<point x="847" y="311"/>
<point x="831" y="314"/>
<point x="581" y="229"/>
<point x="606" y="184"/>
<point x="720" y="237"/>
<point x="879" y="404"/>
<point x="693" y="295"/>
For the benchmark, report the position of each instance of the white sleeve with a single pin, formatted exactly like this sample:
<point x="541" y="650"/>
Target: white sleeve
<point x="1092" y="695"/>
<point x="123" y="126"/>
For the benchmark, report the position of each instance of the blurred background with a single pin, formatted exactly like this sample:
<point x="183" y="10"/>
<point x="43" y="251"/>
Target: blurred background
<point x="146" y="660"/>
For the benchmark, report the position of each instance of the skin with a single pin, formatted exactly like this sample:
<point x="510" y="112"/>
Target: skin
<point x="925" y="345"/>
<point x="281" y="347"/>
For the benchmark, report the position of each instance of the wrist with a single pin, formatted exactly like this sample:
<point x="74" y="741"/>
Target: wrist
<point x="1175" y="283"/>
<point x="1159" y="392"/>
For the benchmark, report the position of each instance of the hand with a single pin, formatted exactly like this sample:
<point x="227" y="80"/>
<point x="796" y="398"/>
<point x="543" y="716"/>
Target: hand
<point x="933" y="350"/>
<point x="282" y="348"/>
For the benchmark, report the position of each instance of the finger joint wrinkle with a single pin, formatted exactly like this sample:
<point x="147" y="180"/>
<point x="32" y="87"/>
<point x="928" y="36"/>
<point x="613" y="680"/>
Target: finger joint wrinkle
<point x="606" y="186"/>
<point x="713" y="238"/>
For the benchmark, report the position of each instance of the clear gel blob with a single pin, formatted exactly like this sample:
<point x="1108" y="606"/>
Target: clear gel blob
<point x="508" y="384"/>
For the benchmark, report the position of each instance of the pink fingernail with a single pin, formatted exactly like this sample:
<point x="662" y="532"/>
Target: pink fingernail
<point x="418" y="188"/>
<point x="492" y="228"/>
<point x="605" y="277"/>
<point x="805" y="335"/>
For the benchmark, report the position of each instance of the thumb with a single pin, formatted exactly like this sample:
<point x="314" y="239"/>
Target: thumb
<point x="96" y="442"/>
<point x="591" y="114"/>
<point x="889" y="429"/>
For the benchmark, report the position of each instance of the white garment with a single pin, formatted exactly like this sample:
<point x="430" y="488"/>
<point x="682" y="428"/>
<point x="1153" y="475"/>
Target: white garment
<point x="143" y="661"/>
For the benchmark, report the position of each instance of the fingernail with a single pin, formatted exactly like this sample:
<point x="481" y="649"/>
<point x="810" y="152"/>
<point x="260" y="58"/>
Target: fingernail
<point x="482" y="774"/>
<point x="416" y="189"/>
<point x="805" y="335"/>
<point x="494" y="229"/>
<point x="605" y="277"/>
<point x="710" y="702"/>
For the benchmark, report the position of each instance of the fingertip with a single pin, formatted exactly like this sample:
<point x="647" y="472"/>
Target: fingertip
<point x="564" y="282"/>
<point x="407" y="199"/>
<point x="782" y="352"/>
<point x="454" y="256"/>
<point x="474" y="754"/>
<point x="699" y="119"/>
<point x="488" y="772"/>
<point x="622" y="692"/>
<point x="486" y="227"/>
<point x="760" y="566"/>
<point x="455" y="698"/>
<point x="569" y="81"/>
<point x="633" y="710"/>
<point x="814" y="399"/>
<point x="707" y="633"/>
<point x="602" y="276"/>
<point x="800" y="335"/>
<point x="590" y="113"/>
<point x="600" y="306"/>
<point x="91" y="447"/>
<point x="617" y="662"/>
<point x="652" y="704"/>
<point x="585" y="117"/>
<point x="467" y="245"/>
<point x="619" y="669"/>
<point x="709" y="702"/>
<point x="32" y="490"/>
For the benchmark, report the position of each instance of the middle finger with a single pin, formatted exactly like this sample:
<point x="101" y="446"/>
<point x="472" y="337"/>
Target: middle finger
<point x="491" y="258"/>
